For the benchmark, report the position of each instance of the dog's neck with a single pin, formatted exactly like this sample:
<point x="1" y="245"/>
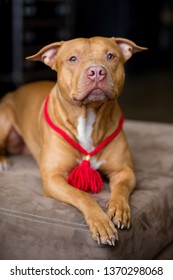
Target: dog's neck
<point x="88" y="125"/>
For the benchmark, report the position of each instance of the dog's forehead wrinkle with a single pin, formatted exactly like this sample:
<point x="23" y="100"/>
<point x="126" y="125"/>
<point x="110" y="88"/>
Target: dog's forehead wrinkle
<point x="92" y="48"/>
<point x="88" y="45"/>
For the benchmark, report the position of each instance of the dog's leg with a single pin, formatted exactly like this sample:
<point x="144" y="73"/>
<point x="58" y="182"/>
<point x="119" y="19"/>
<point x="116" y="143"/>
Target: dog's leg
<point x="5" y="127"/>
<point x="101" y="227"/>
<point x="121" y="185"/>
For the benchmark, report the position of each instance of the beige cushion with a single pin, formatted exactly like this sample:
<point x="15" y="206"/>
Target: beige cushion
<point x="35" y="227"/>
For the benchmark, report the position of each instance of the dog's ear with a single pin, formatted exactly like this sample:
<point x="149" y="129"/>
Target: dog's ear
<point x="128" y="47"/>
<point x="47" y="54"/>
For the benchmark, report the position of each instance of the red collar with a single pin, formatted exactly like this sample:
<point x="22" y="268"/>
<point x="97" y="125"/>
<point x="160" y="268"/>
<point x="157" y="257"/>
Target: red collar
<point x="83" y="177"/>
<point x="75" y="144"/>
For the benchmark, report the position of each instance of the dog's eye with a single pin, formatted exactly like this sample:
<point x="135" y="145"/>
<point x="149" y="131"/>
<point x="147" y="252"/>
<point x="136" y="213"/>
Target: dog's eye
<point x="110" y="56"/>
<point x="73" y="58"/>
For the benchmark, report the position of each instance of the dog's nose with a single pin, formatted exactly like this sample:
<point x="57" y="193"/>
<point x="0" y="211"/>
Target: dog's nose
<point x="96" y="73"/>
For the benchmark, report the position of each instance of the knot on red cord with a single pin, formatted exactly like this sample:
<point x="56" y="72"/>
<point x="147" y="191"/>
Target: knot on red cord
<point x="85" y="178"/>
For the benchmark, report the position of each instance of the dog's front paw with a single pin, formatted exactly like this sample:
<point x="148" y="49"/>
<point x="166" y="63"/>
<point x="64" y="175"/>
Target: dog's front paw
<point x="119" y="213"/>
<point x="102" y="229"/>
<point x="4" y="163"/>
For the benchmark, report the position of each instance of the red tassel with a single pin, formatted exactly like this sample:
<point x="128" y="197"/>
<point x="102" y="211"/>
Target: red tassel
<point x="85" y="178"/>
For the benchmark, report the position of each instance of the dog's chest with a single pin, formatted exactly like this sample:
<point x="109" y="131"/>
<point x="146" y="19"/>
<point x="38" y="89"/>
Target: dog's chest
<point x="85" y="129"/>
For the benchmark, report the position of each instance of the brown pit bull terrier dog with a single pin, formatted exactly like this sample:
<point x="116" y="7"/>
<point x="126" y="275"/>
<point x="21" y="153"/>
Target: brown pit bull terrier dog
<point x="83" y="103"/>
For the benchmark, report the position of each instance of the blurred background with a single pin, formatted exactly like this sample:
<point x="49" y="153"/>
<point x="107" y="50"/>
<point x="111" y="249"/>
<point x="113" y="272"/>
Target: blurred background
<point x="28" y="25"/>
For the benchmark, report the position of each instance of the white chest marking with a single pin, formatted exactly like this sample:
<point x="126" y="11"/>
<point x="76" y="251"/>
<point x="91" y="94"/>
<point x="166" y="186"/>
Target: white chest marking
<point x="85" y="129"/>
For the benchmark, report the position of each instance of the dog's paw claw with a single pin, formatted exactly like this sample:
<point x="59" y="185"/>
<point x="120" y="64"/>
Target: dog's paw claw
<point x="128" y="225"/>
<point x="98" y="240"/>
<point x="113" y="241"/>
<point x="119" y="212"/>
<point x="109" y="242"/>
<point x="118" y="224"/>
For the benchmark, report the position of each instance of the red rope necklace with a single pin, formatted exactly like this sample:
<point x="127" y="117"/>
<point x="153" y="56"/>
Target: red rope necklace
<point x="83" y="176"/>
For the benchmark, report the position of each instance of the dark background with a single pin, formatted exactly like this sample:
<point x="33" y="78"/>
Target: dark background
<point x="28" y="25"/>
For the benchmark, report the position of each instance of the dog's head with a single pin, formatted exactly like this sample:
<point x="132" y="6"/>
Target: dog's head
<point x="90" y="71"/>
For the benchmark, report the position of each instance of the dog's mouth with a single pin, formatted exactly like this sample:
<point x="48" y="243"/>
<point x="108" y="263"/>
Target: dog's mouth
<point x="95" y="95"/>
